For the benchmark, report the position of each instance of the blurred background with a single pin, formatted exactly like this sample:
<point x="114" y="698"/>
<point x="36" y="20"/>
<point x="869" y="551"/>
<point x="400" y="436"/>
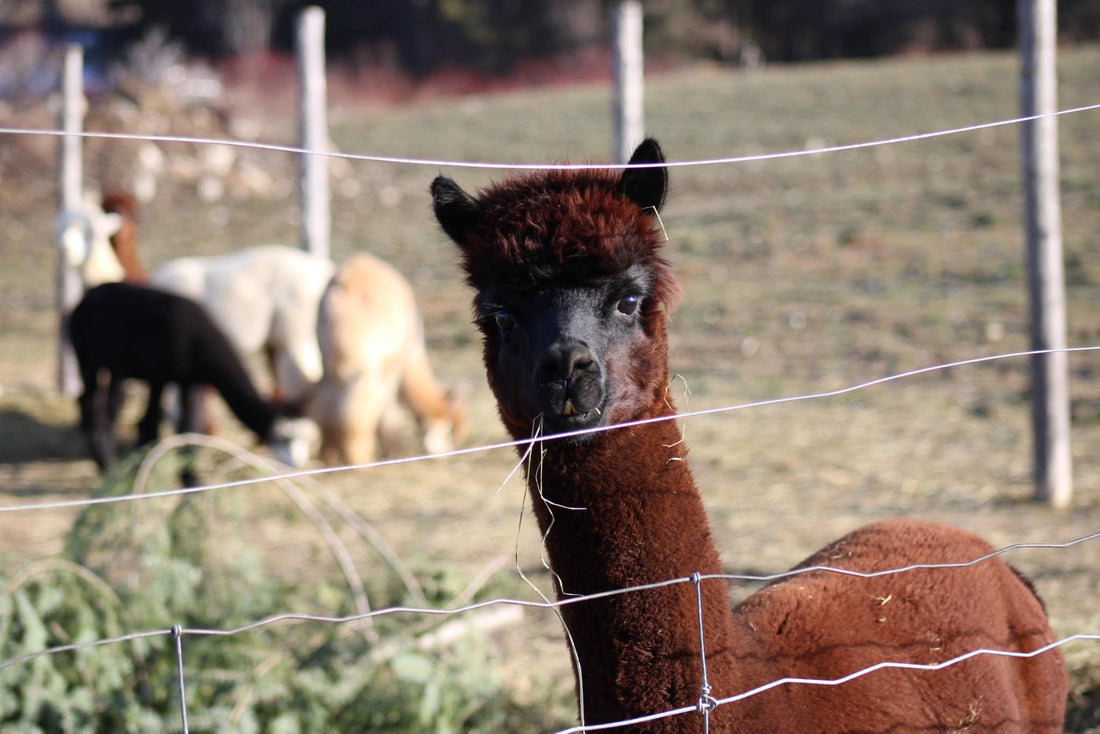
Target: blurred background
<point x="802" y="275"/>
<point x="408" y="42"/>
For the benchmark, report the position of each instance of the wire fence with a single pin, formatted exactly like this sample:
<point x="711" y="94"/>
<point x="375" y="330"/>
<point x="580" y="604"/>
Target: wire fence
<point x="440" y="162"/>
<point x="521" y="443"/>
<point x="707" y="702"/>
<point x="176" y="633"/>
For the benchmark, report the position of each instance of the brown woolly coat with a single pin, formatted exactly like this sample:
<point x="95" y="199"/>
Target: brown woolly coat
<point x="643" y="522"/>
<point x="124" y="241"/>
<point x="620" y="508"/>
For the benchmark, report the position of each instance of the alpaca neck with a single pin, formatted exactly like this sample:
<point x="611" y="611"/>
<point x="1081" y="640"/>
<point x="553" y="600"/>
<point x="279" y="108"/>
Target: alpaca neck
<point x="420" y="390"/>
<point x="604" y="495"/>
<point x="124" y="245"/>
<point x="255" y="413"/>
<point x="620" y="511"/>
<point x="224" y="372"/>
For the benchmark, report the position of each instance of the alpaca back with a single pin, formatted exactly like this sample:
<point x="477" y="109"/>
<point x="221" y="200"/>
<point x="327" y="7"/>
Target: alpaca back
<point x="363" y="334"/>
<point x="261" y="297"/>
<point x="372" y="344"/>
<point x="158" y="337"/>
<point x="138" y="333"/>
<point x="368" y="320"/>
<point x="825" y="625"/>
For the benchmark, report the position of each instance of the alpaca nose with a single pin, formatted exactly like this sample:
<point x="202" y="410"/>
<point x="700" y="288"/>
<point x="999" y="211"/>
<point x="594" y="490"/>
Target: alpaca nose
<point x="569" y="380"/>
<point x="564" y="362"/>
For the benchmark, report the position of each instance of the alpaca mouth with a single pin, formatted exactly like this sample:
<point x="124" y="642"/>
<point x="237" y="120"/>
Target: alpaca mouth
<point x="571" y="418"/>
<point x="571" y="405"/>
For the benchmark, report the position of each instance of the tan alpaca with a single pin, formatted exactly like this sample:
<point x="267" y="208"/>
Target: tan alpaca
<point x="372" y="351"/>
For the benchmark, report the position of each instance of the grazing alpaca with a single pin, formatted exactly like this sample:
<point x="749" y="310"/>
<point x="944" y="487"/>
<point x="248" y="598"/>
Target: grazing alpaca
<point x="372" y="348"/>
<point x="264" y="299"/>
<point x="124" y="240"/>
<point x="84" y="236"/>
<point x="123" y="331"/>
<point x="572" y="296"/>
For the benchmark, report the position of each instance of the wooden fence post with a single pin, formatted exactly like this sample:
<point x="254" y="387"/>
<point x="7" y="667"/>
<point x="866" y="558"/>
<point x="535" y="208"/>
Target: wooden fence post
<point x="628" y="69"/>
<point x="313" y="131"/>
<point x="71" y="171"/>
<point x="1045" y="272"/>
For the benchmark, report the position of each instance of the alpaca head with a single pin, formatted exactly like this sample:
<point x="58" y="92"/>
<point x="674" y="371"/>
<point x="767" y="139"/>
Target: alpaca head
<point x="572" y="291"/>
<point x="121" y="203"/>
<point x="84" y="236"/>
<point x="443" y="432"/>
<point x="293" y="440"/>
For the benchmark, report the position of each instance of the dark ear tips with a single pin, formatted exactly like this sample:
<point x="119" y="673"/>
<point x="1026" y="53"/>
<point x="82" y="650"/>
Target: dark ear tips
<point x="645" y="186"/>
<point x="445" y="191"/>
<point x="644" y="182"/>
<point x="648" y="151"/>
<point x="454" y="209"/>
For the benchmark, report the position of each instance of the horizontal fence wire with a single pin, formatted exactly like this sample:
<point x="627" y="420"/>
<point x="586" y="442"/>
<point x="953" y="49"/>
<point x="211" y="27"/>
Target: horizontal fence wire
<point x="63" y="504"/>
<point x="178" y="633"/>
<point x="832" y="681"/>
<point x="551" y="166"/>
<point x="546" y="605"/>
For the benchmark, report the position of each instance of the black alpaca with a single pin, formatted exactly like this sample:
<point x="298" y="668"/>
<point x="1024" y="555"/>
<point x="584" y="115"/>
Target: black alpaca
<point x="133" y="332"/>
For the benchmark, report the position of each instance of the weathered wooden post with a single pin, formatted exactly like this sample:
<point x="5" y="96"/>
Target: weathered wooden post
<point x="1045" y="273"/>
<point x="313" y="131"/>
<point x="69" y="287"/>
<point x="628" y="69"/>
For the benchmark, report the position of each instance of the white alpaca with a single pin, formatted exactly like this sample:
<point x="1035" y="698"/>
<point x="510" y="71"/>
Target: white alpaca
<point x="83" y="235"/>
<point x="264" y="299"/>
<point x="372" y="347"/>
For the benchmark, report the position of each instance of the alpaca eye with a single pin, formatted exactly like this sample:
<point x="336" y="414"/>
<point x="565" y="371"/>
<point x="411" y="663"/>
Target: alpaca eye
<point x="505" y="321"/>
<point x="629" y="306"/>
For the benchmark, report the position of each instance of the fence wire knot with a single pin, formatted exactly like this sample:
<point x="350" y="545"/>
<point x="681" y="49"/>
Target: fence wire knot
<point x="707" y="702"/>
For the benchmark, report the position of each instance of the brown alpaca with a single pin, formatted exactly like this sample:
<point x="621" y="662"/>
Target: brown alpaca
<point x="372" y="351"/>
<point x="124" y="241"/>
<point x="572" y="297"/>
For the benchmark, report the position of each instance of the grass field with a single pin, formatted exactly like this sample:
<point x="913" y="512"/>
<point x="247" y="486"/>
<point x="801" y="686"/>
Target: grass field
<point x="801" y="275"/>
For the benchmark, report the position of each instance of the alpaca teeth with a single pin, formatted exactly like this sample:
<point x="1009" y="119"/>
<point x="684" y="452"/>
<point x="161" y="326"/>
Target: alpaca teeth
<point x="569" y="409"/>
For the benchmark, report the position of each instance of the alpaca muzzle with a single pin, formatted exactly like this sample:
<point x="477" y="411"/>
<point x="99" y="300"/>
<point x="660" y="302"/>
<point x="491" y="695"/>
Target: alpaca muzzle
<point x="293" y="440"/>
<point x="571" y="387"/>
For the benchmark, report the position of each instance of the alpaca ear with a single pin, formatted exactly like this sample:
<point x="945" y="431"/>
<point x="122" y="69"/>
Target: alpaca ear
<point x="646" y="187"/>
<point x="456" y="211"/>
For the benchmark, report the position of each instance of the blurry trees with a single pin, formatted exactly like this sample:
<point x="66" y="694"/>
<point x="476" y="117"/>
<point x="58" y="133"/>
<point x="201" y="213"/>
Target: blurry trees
<point x="491" y="36"/>
<point x="211" y="28"/>
<point x="420" y="36"/>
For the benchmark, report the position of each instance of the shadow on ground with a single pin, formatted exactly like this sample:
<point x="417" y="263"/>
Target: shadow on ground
<point x="24" y="438"/>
